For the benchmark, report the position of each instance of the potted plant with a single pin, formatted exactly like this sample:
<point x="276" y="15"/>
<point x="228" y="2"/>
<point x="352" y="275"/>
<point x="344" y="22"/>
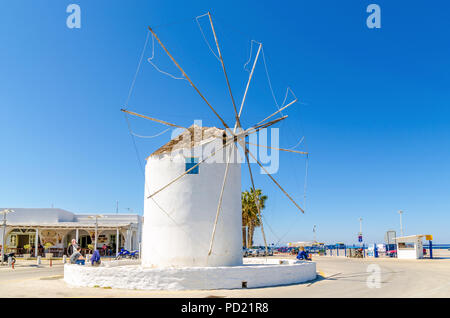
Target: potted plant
<point x="28" y="254"/>
<point x="46" y="247"/>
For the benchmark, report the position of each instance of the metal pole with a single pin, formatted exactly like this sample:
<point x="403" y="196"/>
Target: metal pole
<point x="36" y="243"/>
<point x="117" y="241"/>
<point x="5" y="211"/>
<point x="431" y="248"/>
<point x="360" y="230"/>
<point x="401" y="226"/>
<point x="360" y="225"/>
<point x="3" y="237"/>
<point x="96" y="232"/>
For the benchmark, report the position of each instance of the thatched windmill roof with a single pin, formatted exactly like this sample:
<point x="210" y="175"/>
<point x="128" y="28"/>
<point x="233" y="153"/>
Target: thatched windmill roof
<point x="192" y="137"/>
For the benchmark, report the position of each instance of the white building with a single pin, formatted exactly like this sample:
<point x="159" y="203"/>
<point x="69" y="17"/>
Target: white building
<point x="179" y="220"/>
<point x="410" y="247"/>
<point x="36" y="226"/>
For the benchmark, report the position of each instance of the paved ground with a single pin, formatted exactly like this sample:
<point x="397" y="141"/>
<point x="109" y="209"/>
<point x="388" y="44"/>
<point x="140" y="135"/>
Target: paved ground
<point x="338" y="277"/>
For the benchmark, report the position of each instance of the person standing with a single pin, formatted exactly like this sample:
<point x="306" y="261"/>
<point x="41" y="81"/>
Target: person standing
<point x="72" y="247"/>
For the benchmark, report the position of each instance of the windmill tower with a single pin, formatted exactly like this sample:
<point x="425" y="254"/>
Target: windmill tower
<point x="191" y="201"/>
<point x="192" y="208"/>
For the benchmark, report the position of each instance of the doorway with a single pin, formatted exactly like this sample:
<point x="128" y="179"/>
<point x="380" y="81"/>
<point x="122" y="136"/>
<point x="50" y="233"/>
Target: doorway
<point x="85" y="240"/>
<point x="23" y="240"/>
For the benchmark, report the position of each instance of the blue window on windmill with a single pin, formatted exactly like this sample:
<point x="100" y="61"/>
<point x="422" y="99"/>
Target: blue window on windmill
<point x="190" y="162"/>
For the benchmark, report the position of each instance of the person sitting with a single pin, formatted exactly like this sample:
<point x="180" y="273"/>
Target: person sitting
<point x="302" y="255"/>
<point x="95" y="259"/>
<point x="77" y="258"/>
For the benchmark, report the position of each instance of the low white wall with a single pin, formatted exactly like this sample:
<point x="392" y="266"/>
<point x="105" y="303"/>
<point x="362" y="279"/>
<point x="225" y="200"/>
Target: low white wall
<point x="122" y="262"/>
<point x="407" y="254"/>
<point x="191" y="278"/>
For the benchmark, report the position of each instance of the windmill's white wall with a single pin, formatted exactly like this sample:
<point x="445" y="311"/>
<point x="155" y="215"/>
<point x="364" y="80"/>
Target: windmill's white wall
<point x="180" y="235"/>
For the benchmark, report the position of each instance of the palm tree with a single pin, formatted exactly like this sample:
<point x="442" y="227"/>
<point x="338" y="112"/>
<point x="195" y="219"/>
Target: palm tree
<point x="250" y="217"/>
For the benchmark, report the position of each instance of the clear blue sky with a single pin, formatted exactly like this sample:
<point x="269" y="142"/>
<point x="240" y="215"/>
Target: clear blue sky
<point x="375" y="108"/>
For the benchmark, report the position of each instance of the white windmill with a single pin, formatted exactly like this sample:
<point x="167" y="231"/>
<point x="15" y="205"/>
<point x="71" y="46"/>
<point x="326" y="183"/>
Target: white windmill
<point x="192" y="210"/>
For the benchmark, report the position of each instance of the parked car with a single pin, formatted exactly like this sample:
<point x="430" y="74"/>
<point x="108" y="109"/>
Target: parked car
<point x="244" y="252"/>
<point x="262" y="251"/>
<point x="253" y="251"/>
<point x="269" y="251"/>
<point x="391" y="253"/>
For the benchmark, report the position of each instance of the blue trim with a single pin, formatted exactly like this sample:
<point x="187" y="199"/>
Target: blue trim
<point x="190" y="162"/>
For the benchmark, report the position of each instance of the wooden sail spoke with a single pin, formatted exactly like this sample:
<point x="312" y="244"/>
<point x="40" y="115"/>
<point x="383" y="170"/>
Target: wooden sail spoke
<point x="189" y="80"/>
<point x="152" y="119"/>
<point x="256" y="198"/>
<point x="238" y="124"/>
<point x="280" y="110"/>
<point x="219" y="205"/>
<point x="236" y="138"/>
<point x="281" y="149"/>
<point x="273" y="179"/>
<point x="265" y="125"/>
<point x="249" y="80"/>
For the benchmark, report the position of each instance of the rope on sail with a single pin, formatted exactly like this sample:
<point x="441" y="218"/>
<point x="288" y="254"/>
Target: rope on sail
<point x="137" y="69"/>
<point x="158" y="134"/>
<point x="288" y="89"/>
<point x="150" y="60"/>
<point x="203" y="34"/>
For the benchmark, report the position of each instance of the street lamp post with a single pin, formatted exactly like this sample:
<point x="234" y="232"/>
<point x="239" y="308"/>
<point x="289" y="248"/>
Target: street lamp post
<point x="401" y="226"/>
<point x="360" y="231"/>
<point x="4" y="212"/>
<point x="360" y="225"/>
<point x="314" y="231"/>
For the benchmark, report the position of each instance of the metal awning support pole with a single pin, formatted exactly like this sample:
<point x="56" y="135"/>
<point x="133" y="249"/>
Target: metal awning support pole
<point x="4" y="212"/>
<point x="3" y="237"/>
<point x="128" y="239"/>
<point x="96" y="234"/>
<point x="36" y="243"/>
<point x="117" y="241"/>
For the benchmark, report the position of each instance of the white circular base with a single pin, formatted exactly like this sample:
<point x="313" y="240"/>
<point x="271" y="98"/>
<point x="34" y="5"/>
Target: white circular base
<point x="254" y="273"/>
